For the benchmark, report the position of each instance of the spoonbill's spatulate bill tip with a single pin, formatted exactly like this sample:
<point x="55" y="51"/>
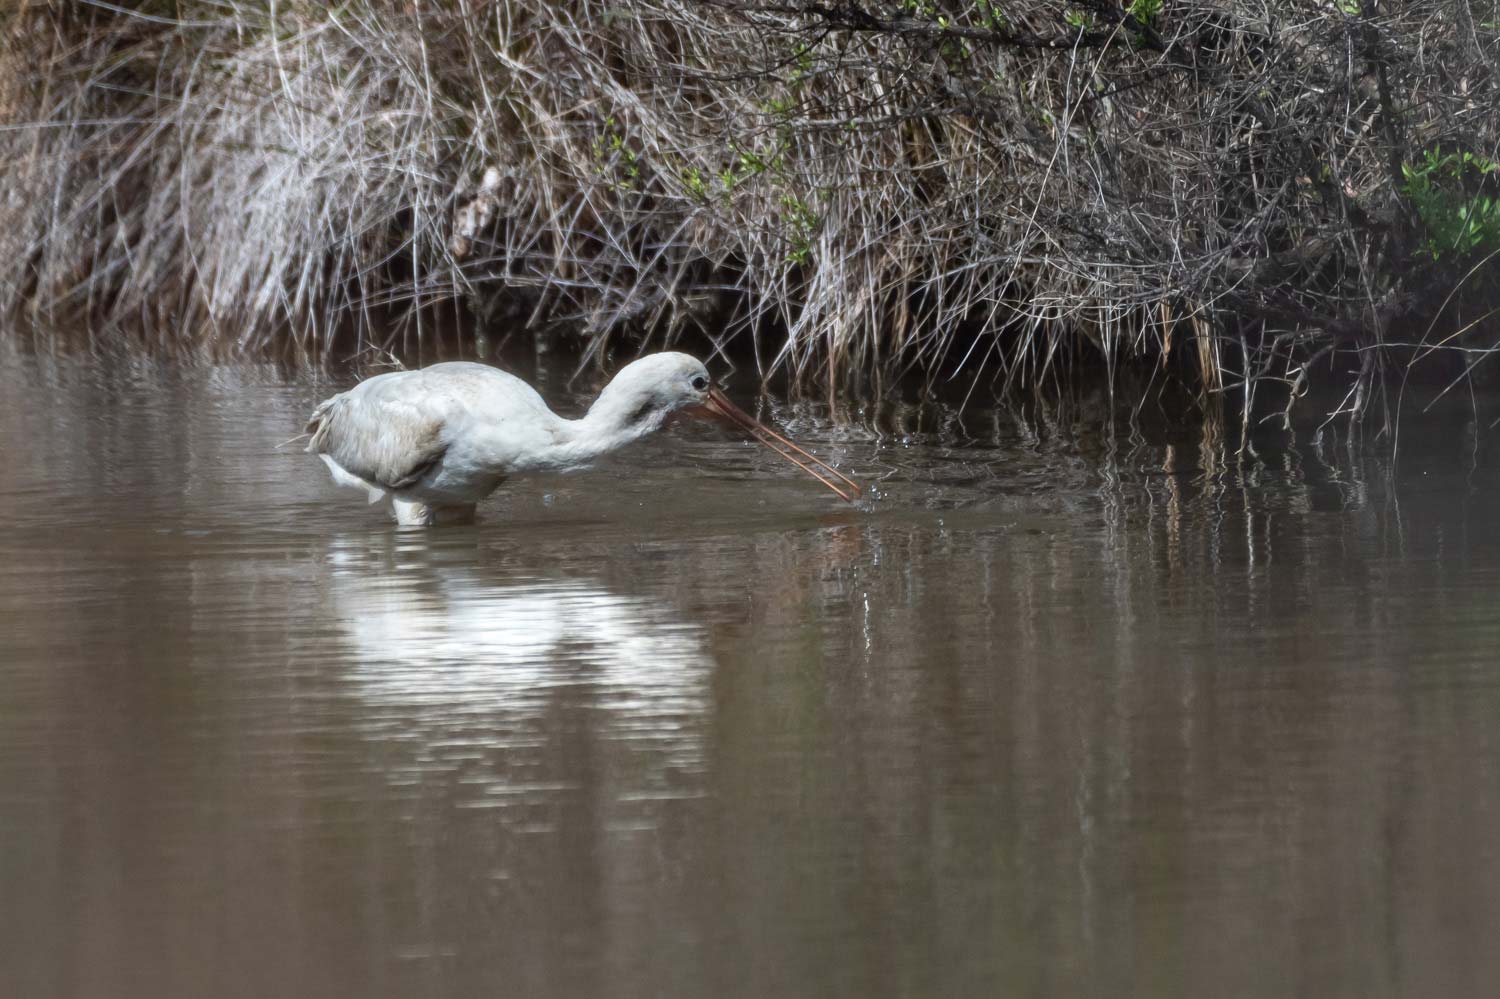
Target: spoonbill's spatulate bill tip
<point x="435" y="441"/>
<point x="718" y="403"/>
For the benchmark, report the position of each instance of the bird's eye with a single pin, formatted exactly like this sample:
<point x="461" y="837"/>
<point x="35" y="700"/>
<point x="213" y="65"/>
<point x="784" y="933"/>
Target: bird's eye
<point x="700" y="383"/>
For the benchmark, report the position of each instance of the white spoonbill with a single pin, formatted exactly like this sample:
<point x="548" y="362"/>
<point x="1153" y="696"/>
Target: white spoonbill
<point x="437" y="440"/>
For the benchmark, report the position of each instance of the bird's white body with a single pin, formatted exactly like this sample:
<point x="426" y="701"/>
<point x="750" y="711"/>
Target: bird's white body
<point x="435" y="441"/>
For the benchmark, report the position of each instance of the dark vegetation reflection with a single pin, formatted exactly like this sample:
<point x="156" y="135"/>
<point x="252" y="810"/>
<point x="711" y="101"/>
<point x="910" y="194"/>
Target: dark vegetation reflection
<point x="1073" y="705"/>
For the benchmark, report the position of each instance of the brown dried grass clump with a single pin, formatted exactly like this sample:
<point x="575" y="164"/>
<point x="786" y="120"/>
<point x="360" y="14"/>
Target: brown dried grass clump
<point x="856" y="187"/>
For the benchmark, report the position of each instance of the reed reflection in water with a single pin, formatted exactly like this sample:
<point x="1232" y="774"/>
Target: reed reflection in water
<point x="1070" y="708"/>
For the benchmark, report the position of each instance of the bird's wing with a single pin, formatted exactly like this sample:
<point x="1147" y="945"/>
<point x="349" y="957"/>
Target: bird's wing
<point x="385" y="434"/>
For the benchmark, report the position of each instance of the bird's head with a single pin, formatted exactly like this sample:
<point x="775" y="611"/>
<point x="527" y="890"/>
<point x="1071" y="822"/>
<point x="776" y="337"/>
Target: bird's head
<point x="649" y="390"/>
<point x="652" y="388"/>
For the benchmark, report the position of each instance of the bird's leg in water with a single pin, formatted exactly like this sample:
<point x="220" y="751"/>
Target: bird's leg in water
<point x="409" y="513"/>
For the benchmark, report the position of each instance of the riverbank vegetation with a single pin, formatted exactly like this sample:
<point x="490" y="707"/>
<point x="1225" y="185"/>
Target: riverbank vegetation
<point x="1250" y="194"/>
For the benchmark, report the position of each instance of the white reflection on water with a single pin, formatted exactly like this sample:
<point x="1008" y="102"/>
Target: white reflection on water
<point x="470" y="659"/>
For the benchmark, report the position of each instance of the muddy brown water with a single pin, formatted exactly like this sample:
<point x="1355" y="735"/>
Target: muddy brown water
<point x="1068" y="708"/>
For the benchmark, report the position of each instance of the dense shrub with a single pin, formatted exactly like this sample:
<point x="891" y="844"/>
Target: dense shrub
<point x="856" y="186"/>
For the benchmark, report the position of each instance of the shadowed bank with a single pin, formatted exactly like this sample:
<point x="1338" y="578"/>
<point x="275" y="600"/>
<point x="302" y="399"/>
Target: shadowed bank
<point x="1252" y="195"/>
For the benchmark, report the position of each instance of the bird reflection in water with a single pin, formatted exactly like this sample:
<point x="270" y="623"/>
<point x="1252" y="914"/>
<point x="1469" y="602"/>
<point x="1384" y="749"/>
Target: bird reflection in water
<point x="513" y="683"/>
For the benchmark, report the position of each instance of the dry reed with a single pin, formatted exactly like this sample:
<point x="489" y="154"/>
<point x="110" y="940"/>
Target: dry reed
<point x="855" y="188"/>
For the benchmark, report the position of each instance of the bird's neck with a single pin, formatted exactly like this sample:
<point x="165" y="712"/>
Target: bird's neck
<point x="609" y="424"/>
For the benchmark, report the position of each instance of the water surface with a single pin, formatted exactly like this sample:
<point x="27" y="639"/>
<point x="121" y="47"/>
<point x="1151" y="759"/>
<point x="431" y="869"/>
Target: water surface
<point x="1070" y="707"/>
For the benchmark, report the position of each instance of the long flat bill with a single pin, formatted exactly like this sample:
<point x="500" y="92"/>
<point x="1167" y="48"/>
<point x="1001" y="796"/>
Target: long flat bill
<point x="718" y="404"/>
